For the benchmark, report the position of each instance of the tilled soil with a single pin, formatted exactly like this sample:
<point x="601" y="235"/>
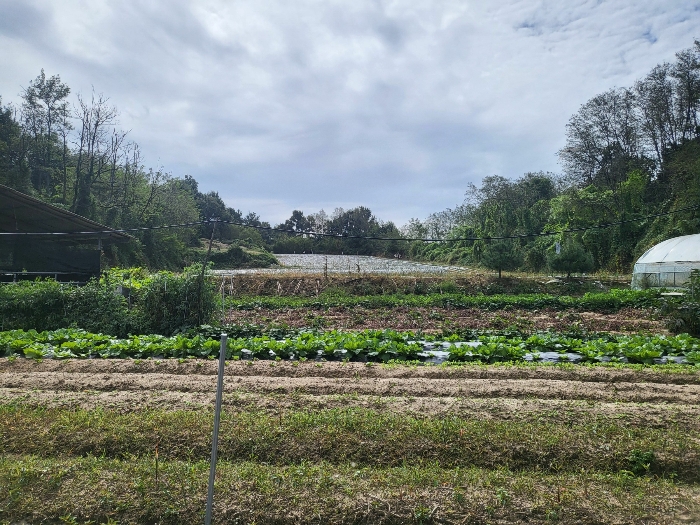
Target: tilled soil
<point x="565" y="394"/>
<point x="593" y="398"/>
<point x="628" y="320"/>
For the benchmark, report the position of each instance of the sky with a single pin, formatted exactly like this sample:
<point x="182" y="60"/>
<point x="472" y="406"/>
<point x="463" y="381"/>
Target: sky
<point x="396" y="106"/>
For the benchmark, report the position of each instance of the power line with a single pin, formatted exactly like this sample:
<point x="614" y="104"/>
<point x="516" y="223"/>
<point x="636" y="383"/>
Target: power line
<point x="107" y="232"/>
<point x="457" y="239"/>
<point x="341" y="236"/>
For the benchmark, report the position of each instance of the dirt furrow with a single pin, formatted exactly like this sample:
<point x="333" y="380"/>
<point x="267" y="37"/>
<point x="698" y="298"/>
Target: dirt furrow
<point x="651" y="415"/>
<point x="328" y="370"/>
<point x="405" y="387"/>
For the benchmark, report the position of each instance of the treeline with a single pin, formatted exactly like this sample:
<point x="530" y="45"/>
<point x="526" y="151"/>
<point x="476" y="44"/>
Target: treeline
<point x="343" y="232"/>
<point x="73" y="155"/>
<point x="630" y="153"/>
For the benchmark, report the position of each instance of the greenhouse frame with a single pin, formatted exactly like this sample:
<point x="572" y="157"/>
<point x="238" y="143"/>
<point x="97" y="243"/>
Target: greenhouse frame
<point x="668" y="264"/>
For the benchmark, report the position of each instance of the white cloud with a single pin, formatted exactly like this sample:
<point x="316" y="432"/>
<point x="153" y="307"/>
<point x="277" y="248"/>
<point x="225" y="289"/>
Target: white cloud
<point x="309" y="104"/>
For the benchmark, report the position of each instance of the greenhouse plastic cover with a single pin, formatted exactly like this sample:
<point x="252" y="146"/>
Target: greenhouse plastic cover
<point x="669" y="263"/>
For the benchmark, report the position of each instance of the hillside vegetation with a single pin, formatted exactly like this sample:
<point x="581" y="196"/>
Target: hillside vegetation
<point x="631" y="159"/>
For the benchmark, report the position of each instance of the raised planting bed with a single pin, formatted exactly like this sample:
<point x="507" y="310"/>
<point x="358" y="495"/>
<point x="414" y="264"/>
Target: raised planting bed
<point x="368" y="346"/>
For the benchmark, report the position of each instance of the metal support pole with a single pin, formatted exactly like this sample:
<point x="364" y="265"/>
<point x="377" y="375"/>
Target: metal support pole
<point x="215" y="436"/>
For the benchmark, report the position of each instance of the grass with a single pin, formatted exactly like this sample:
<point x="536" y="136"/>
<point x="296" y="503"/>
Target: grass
<point x="106" y="490"/>
<point x="360" y="435"/>
<point x="360" y="464"/>
<point x="603" y="301"/>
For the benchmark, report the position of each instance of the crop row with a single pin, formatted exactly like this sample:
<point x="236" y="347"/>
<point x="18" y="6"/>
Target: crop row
<point x="604" y="301"/>
<point x="369" y="345"/>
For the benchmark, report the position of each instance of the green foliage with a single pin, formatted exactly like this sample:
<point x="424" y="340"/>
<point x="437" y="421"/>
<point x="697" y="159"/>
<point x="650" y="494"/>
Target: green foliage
<point x="48" y="305"/>
<point x="573" y="258"/>
<point x="640" y="461"/>
<point x="169" y="302"/>
<point x="238" y="257"/>
<point x="161" y="303"/>
<point x="501" y="255"/>
<point x="368" y="345"/>
<point x="14" y="169"/>
<point x="595" y="302"/>
<point x="683" y="315"/>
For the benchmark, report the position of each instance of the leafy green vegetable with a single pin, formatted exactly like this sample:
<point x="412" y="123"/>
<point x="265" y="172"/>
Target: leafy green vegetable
<point x="367" y="345"/>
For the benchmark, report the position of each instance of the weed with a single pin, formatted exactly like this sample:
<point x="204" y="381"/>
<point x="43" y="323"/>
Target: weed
<point x="640" y="461"/>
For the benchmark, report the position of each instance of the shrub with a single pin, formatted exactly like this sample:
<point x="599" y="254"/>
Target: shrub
<point x="238" y="257"/>
<point x="169" y="303"/>
<point x="501" y="255"/>
<point x="683" y="315"/>
<point x="573" y="258"/>
<point x="48" y="305"/>
<point x="162" y="303"/>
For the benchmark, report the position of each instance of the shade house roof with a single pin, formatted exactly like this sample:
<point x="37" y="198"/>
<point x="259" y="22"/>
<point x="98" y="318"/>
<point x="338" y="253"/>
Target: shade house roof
<point x="24" y="216"/>
<point x="679" y="249"/>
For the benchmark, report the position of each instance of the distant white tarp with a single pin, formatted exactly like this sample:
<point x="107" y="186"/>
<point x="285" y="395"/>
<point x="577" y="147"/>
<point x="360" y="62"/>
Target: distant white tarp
<point x="668" y="264"/>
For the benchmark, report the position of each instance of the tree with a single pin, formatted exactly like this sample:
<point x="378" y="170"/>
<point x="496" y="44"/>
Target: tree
<point x="95" y="148"/>
<point x="297" y="223"/>
<point x="14" y="170"/>
<point x="501" y="255"/>
<point x="414" y="229"/>
<point x="661" y="116"/>
<point x="686" y="72"/>
<point x="319" y="221"/>
<point x="602" y="139"/>
<point x="44" y="118"/>
<point x="572" y="258"/>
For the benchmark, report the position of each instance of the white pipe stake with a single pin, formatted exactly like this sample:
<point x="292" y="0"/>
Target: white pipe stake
<point x="215" y="436"/>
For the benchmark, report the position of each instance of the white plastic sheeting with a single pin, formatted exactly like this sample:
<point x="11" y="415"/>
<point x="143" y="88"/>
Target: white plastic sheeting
<point x="668" y="264"/>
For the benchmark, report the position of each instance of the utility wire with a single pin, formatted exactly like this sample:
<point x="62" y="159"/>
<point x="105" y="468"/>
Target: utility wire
<point x="457" y="239"/>
<point x="340" y="236"/>
<point x="106" y="232"/>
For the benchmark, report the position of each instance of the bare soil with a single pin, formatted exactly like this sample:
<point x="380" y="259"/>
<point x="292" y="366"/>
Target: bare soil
<point x="628" y="320"/>
<point x="565" y="394"/>
<point x="470" y="281"/>
<point x="91" y="487"/>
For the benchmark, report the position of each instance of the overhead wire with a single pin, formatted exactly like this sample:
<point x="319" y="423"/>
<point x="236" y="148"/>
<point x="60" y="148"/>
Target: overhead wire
<point x="342" y="236"/>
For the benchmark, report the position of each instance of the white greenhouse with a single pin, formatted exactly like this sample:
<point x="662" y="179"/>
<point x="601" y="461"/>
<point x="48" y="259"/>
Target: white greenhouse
<point x="668" y="264"/>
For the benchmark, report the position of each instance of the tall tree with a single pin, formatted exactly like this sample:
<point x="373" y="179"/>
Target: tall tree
<point x="501" y="255"/>
<point x="94" y="147"/>
<point x="14" y="169"/>
<point x="45" y="116"/>
<point x="602" y="139"/>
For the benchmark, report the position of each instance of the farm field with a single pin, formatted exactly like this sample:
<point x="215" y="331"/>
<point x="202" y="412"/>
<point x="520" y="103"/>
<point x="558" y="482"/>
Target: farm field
<point x="96" y="429"/>
<point x="435" y="319"/>
<point x="349" y="443"/>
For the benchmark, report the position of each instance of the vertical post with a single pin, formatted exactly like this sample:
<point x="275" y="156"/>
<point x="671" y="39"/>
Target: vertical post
<point x="223" y="309"/>
<point x="215" y="435"/>
<point x="204" y="268"/>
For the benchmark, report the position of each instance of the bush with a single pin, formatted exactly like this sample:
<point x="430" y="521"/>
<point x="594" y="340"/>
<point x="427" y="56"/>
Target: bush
<point x="48" y="305"/>
<point x="169" y="303"/>
<point x="573" y="259"/>
<point x="683" y="315"/>
<point x="163" y="303"/>
<point x="238" y="257"/>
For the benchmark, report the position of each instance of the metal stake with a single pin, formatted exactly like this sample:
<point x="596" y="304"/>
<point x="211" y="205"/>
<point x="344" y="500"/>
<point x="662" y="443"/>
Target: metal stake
<point x="215" y="436"/>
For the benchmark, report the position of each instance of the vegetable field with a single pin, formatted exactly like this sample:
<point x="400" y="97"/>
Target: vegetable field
<point x="366" y="346"/>
<point x="441" y="407"/>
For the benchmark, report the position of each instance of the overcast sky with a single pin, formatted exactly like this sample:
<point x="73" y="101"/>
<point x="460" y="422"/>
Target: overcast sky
<point x="397" y="106"/>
